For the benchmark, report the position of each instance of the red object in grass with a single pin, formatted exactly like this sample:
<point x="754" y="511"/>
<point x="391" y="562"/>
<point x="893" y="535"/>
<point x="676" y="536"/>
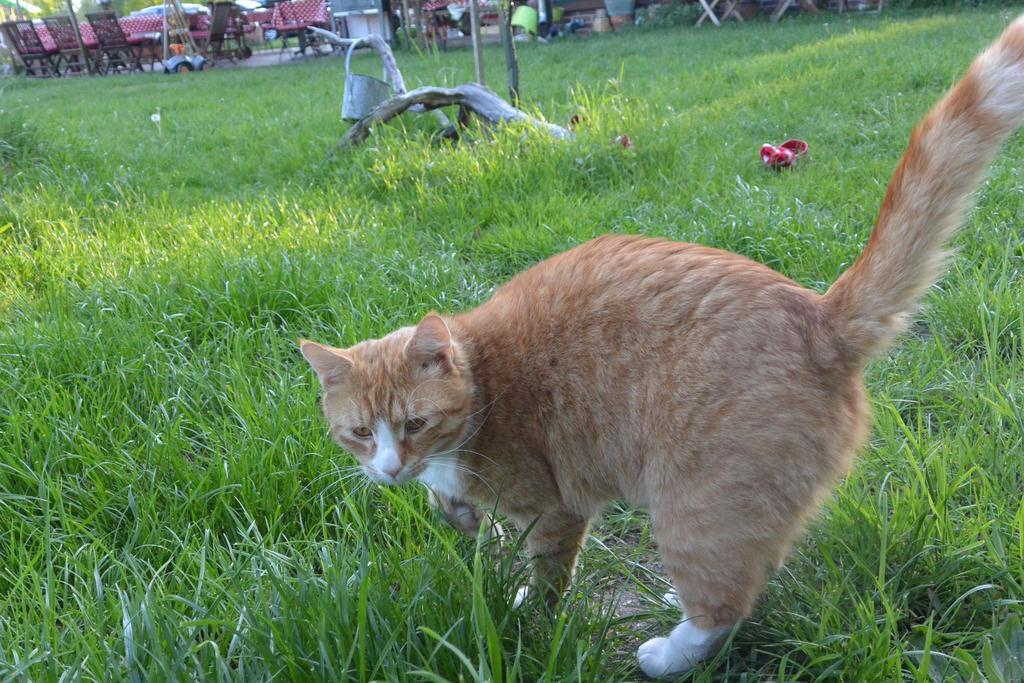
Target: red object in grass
<point x="784" y="155"/>
<point x="576" y="120"/>
<point x="624" y="141"/>
<point x="798" y="147"/>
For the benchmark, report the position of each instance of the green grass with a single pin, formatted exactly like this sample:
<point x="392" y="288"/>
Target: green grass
<point x="170" y="504"/>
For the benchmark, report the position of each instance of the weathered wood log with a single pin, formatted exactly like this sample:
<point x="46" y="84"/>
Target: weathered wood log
<point x="469" y="97"/>
<point x="480" y="100"/>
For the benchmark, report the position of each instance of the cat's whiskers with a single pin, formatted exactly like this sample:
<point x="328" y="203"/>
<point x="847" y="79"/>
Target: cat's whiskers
<point x="412" y="394"/>
<point x="360" y="483"/>
<point x="460" y="467"/>
<point x="489" y="404"/>
<point x="459" y="447"/>
<point x="346" y="470"/>
<point x="341" y="474"/>
<point x="339" y="469"/>
<point x="411" y="407"/>
<point x="335" y="483"/>
<point x="456" y="452"/>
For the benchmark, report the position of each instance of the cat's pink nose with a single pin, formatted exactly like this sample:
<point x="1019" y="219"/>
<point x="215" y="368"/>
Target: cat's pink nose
<point x="392" y="471"/>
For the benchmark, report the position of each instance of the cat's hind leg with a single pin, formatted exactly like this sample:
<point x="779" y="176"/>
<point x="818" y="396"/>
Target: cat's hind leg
<point x="713" y="597"/>
<point x="718" y="569"/>
<point x="724" y="517"/>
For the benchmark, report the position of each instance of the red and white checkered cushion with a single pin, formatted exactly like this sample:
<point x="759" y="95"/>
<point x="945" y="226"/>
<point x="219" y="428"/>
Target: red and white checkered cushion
<point x="434" y="5"/>
<point x="44" y="35"/>
<point x="87" y="36"/>
<point x="140" y="26"/>
<point x="301" y="14"/>
<point x="262" y="16"/>
<point x="49" y="44"/>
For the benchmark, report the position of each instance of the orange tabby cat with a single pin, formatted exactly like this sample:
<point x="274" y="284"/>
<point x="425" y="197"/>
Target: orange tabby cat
<point x="714" y="391"/>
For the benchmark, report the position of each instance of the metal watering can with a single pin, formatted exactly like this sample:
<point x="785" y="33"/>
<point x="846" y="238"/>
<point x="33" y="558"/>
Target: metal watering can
<point x="362" y="93"/>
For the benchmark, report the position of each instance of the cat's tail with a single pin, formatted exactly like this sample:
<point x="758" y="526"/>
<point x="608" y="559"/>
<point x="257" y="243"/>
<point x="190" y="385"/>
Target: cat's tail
<point x="927" y="198"/>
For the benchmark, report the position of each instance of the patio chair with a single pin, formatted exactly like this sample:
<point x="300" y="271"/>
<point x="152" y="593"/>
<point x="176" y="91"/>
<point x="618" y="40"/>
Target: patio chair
<point x="295" y="18"/>
<point x="69" y="59"/>
<point x="116" y="50"/>
<point x="38" y="59"/>
<point x="224" y="38"/>
<point x="436" y="21"/>
<point x="147" y="31"/>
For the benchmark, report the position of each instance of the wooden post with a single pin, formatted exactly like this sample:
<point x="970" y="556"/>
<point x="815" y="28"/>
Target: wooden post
<point x="405" y="23"/>
<point x="709" y="12"/>
<point x="6" y="14"/>
<point x="164" y="39"/>
<point x="510" y="52"/>
<point x="421" y="34"/>
<point x="780" y="9"/>
<point x="384" y="23"/>
<point x="546" y="10"/>
<point x="474" y="31"/>
<point x="78" y="37"/>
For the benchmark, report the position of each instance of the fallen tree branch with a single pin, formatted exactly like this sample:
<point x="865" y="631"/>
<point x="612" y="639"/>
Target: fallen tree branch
<point x="480" y="100"/>
<point x="470" y="97"/>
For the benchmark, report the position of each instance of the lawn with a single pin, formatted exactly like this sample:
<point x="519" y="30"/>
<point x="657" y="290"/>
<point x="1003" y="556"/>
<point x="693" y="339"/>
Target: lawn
<point x="171" y="506"/>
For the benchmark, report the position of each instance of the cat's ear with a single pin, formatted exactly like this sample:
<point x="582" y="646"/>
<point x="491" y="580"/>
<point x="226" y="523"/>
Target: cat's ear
<point x="331" y="364"/>
<point x="431" y="342"/>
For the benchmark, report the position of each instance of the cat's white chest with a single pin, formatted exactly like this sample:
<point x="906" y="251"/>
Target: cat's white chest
<point x="444" y="477"/>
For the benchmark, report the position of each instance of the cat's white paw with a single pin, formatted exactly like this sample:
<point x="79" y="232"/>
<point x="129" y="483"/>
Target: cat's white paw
<point x="659" y="658"/>
<point x="672" y="599"/>
<point x="684" y="648"/>
<point x="654" y="657"/>
<point x="521" y="595"/>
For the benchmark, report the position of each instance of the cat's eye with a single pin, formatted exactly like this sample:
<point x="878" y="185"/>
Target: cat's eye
<point x="415" y="424"/>
<point x="362" y="432"/>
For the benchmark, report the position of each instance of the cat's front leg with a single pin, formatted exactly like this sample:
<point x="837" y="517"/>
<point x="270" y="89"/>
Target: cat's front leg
<point x="553" y="543"/>
<point x="463" y="515"/>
